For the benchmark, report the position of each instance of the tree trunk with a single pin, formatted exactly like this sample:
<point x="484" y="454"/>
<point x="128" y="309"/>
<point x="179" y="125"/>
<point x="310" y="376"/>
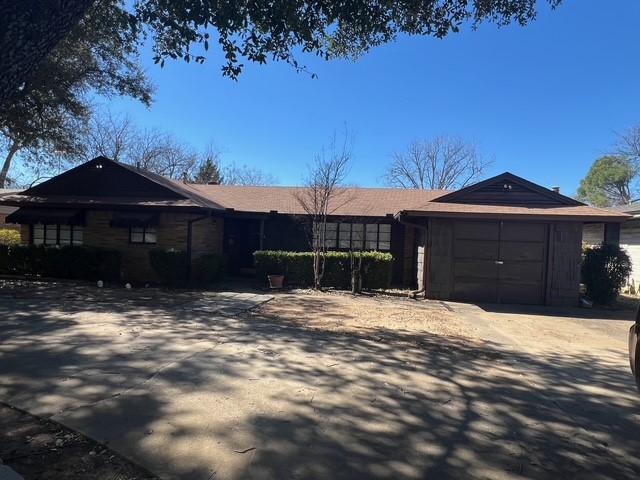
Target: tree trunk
<point x="7" y="164"/>
<point x="29" y="30"/>
<point x="356" y="273"/>
<point x="316" y="270"/>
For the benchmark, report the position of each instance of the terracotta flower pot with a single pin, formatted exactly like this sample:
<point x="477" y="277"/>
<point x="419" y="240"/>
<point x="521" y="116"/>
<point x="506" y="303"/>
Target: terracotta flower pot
<point x="276" y="281"/>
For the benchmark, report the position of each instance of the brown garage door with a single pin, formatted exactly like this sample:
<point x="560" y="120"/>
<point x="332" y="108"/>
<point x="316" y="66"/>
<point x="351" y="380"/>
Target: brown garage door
<point x="500" y="262"/>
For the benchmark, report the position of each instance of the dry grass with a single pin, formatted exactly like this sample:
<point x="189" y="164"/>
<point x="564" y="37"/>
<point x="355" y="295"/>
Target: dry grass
<point x="344" y="312"/>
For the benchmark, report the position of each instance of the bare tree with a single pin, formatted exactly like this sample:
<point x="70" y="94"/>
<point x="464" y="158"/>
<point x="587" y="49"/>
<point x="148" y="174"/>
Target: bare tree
<point x="439" y="163"/>
<point x="322" y="194"/>
<point x="234" y="174"/>
<point x="628" y="144"/>
<point x="110" y="136"/>
<point x="116" y="137"/>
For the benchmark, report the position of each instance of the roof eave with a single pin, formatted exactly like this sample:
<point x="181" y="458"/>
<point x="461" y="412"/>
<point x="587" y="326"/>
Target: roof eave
<point x="516" y="216"/>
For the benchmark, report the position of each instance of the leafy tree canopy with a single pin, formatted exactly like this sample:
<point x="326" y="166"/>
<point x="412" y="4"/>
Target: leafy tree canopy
<point x="609" y="182"/>
<point x="248" y="30"/>
<point x="48" y="114"/>
<point x="264" y="29"/>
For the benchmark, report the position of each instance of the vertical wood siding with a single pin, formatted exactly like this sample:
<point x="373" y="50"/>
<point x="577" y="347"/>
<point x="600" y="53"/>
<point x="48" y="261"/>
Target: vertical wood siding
<point x="630" y="241"/>
<point x="565" y="255"/>
<point x="439" y="254"/>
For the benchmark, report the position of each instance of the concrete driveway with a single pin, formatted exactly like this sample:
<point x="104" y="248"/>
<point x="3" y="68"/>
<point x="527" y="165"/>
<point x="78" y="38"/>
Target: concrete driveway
<point x="192" y="388"/>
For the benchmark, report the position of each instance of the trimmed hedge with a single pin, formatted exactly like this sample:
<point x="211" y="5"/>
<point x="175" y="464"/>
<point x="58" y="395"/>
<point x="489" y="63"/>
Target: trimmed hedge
<point x="74" y="262"/>
<point x="209" y="268"/>
<point x="297" y="268"/>
<point x="171" y="266"/>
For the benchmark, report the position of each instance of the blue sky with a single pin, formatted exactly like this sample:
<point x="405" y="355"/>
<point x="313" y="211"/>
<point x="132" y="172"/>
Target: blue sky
<point x="542" y="101"/>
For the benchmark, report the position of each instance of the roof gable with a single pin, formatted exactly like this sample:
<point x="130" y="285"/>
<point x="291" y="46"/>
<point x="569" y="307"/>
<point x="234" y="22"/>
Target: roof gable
<point x="509" y="190"/>
<point x="102" y="177"/>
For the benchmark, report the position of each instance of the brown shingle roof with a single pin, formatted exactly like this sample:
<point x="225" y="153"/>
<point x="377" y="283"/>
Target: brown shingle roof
<point x="375" y="202"/>
<point x="577" y="212"/>
<point x="20" y="200"/>
<point x="356" y="202"/>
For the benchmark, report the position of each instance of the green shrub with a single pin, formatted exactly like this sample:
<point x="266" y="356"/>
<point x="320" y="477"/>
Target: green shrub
<point x="171" y="266"/>
<point x="209" y="268"/>
<point x="75" y="262"/>
<point x="297" y="267"/>
<point x="605" y="268"/>
<point x="4" y="259"/>
<point x="376" y="270"/>
<point x="9" y="236"/>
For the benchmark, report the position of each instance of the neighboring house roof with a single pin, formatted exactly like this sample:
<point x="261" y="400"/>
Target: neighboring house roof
<point x="6" y="210"/>
<point x="631" y="208"/>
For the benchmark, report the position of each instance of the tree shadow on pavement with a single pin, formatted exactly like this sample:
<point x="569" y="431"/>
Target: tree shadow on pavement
<point x="203" y="396"/>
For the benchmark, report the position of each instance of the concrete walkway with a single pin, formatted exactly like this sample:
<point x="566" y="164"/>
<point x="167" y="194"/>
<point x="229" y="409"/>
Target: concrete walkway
<point x="191" y="391"/>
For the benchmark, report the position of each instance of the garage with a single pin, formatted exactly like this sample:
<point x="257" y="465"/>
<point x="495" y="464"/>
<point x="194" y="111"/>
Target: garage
<point x="499" y="261"/>
<point x="503" y="240"/>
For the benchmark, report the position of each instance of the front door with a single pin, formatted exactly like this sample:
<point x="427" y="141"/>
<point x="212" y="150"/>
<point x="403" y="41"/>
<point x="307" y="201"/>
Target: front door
<point x="241" y="239"/>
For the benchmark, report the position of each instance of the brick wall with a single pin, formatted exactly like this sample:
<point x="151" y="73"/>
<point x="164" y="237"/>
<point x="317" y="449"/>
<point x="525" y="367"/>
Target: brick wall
<point x="10" y="226"/>
<point x="171" y="233"/>
<point x="25" y="234"/>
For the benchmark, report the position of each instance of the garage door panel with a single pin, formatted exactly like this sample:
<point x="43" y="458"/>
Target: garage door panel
<point x="521" y="294"/>
<point x="476" y="249"/>
<point x="475" y="269"/>
<point x="522" y="251"/>
<point x="530" y="273"/>
<point x="477" y="230"/>
<point x="476" y="291"/>
<point x="523" y="232"/>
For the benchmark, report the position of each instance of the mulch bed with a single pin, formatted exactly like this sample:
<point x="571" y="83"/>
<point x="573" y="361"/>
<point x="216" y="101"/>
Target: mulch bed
<point x="41" y="449"/>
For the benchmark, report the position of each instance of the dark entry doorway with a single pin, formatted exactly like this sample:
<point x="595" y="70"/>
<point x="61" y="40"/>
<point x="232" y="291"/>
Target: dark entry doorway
<point x="241" y="239"/>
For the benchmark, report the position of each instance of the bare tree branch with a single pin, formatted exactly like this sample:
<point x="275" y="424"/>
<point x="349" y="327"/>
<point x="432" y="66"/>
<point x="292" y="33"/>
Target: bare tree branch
<point x="234" y="174"/>
<point x="323" y="194"/>
<point x="440" y="163"/>
<point x="116" y="137"/>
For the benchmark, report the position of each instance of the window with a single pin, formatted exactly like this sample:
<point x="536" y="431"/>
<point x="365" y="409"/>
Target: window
<point x="331" y="235"/>
<point x="384" y="236"/>
<point x="378" y="236"/>
<point x="142" y="235"/>
<point x="372" y="236"/>
<point x="344" y="235"/>
<point x="57" y="234"/>
<point x="357" y="236"/>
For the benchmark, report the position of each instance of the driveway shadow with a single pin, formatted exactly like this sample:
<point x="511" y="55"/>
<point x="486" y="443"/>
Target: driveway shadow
<point x="197" y="396"/>
<point x="566" y="312"/>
